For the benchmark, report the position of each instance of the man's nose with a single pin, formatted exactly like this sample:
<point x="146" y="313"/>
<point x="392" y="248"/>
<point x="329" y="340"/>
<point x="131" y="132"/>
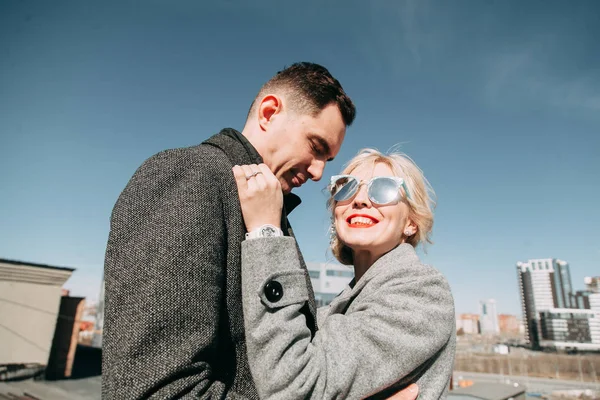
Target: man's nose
<point x="316" y="170"/>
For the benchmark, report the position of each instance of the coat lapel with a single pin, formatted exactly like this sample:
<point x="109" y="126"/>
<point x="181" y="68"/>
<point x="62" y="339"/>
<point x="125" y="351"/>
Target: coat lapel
<point x="240" y="151"/>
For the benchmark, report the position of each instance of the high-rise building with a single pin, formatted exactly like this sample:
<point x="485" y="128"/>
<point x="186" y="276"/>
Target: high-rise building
<point x="488" y="320"/>
<point x="543" y="284"/>
<point x="595" y="302"/>
<point x="328" y="280"/>
<point x="589" y="299"/>
<point x="581" y="299"/>
<point x="570" y="328"/>
<point x="555" y="316"/>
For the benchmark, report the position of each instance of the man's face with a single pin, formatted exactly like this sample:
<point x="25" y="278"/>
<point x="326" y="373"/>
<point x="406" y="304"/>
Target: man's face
<point x="300" y="145"/>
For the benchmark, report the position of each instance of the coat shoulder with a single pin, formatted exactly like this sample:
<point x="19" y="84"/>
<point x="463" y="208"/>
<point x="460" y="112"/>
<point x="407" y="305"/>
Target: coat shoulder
<point x="404" y="279"/>
<point x="185" y="166"/>
<point x="403" y="270"/>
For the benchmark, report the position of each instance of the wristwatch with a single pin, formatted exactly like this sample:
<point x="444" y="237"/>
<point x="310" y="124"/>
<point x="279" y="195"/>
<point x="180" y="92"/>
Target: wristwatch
<point x="266" y="230"/>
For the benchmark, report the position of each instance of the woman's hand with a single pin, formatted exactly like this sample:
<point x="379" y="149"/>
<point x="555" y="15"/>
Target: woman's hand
<point x="260" y="195"/>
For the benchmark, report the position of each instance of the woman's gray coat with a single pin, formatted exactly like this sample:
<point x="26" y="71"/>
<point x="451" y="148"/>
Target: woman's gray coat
<point x="394" y="327"/>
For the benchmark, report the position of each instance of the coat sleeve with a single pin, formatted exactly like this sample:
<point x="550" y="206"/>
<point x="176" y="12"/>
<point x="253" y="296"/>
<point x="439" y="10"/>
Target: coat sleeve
<point x="164" y="279"/>
<point x="388" y="336"/>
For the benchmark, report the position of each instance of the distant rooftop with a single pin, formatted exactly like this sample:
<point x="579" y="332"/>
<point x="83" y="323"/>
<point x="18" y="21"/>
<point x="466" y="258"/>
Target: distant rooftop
<point x="26" y="272"/>
<point x="30" y="264"/>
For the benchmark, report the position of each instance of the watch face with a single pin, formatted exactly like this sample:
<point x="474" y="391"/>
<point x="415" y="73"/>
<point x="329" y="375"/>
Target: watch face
<point x="267" y="231"/>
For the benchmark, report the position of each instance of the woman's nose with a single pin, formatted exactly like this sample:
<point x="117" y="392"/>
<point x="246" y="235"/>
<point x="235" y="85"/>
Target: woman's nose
<point x="362" y="197"/>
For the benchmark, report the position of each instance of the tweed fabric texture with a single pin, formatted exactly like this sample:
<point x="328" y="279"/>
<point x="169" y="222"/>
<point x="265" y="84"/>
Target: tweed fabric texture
<point x="173" y="314"/>
<point x="295" y="291"/>
<point x="393" y="327"/>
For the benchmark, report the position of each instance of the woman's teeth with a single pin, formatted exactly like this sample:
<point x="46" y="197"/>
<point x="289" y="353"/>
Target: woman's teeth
<point x="361" y="221"/>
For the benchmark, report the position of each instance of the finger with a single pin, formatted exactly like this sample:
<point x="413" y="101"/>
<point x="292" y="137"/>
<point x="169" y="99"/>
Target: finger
<point x="250" y="182"/>
<point x="247" y="170"/>
<point x="408" y="393"/>
<point x="240" y="178"/>
<point x="239" y="175"/>
<point x="270" y="179"/>
<point x="258" y="178"/>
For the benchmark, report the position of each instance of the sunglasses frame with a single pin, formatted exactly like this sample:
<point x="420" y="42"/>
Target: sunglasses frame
<point x="398" y="180"/>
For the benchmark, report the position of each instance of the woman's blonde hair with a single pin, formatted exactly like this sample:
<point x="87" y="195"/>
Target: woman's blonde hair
<point x="420" y="204"/>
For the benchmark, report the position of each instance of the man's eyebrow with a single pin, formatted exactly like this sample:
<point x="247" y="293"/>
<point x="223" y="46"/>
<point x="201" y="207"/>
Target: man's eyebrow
<point x="323" y="143"/>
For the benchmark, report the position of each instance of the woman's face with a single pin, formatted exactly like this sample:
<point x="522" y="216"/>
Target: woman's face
<point x="365" y="226"/>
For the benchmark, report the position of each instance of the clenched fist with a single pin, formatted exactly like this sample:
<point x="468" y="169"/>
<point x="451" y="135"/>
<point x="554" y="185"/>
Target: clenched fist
<point x="260" y="195"/>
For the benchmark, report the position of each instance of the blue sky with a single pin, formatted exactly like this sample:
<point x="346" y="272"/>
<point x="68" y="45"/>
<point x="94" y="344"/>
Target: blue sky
<point x="498" y="103"/>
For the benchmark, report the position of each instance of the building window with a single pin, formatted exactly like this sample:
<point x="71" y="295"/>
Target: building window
<point x="314" y="274"/>
<point x="344" y="274"/>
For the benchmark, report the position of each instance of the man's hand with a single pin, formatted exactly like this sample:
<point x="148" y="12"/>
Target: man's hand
<point x="260" y="195"/>
<point x="408" y="393"/>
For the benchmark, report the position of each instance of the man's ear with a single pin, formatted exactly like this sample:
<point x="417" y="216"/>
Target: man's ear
<point x="268" y="108"/>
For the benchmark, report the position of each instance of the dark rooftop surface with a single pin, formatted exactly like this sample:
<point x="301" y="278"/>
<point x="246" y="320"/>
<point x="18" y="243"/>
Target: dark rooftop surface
<point x="70" y="389"/>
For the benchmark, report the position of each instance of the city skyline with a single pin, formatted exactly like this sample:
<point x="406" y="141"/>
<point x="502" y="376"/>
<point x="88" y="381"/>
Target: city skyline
<point x="589" y="282"/>
<point x="497" y="103"/>
<point x="554" y="314"/>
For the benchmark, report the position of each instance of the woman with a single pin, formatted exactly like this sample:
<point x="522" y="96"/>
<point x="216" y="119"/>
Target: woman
<point x="393" y="325"/>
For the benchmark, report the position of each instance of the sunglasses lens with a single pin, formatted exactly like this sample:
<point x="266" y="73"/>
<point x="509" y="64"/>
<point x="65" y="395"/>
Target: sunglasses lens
<point x="384" y="191"/>
<point x="344" y="188"/>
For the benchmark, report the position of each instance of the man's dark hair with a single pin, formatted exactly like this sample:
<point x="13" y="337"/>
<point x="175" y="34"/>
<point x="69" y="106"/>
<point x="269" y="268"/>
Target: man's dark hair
<point x="311" y="88"/>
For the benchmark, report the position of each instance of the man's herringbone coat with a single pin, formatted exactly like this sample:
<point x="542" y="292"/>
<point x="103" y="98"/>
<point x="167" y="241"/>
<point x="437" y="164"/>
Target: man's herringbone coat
<point x="173" y="305"/>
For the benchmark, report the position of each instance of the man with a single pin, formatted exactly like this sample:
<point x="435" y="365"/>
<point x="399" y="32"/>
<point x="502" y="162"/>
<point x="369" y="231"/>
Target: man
<point x="173" y="314"/>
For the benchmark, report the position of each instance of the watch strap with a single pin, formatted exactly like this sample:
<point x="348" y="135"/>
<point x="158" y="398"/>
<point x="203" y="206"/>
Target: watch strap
<point x="266" y="230"/>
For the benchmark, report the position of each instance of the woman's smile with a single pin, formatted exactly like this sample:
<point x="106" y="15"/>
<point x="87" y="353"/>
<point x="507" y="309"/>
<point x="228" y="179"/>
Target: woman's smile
<point x="361" y="221"/>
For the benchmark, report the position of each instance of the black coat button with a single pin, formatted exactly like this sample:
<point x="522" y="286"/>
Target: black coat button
<point x="273" y="291"/>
